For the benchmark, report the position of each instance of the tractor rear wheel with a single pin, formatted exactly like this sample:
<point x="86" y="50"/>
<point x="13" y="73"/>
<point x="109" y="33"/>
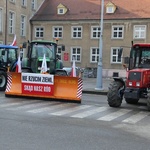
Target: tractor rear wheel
<point x="113" y="96"/>
<point x="3" y="80"/>
<point x="131" y="101"/>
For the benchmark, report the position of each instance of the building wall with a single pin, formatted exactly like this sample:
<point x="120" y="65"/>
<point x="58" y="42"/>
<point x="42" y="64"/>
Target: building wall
<point x="86" y="42"/>
<point x="18" y="10"/>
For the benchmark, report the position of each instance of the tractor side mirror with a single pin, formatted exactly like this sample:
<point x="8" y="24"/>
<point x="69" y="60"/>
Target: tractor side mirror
<point x="126" y="60"/>
<point x="24" y="45"/>
<point x="63" y="47"/>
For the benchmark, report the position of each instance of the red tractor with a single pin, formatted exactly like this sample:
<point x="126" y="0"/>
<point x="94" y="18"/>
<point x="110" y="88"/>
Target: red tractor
<point x="137" y="83"/>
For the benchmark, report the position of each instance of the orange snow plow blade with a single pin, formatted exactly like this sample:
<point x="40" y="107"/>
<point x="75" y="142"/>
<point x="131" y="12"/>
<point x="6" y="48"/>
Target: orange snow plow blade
<point x="44" y="86"/>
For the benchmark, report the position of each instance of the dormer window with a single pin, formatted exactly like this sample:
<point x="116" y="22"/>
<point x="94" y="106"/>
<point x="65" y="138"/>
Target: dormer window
<point x="110" y="8"/>
<point x="61" y="9"/>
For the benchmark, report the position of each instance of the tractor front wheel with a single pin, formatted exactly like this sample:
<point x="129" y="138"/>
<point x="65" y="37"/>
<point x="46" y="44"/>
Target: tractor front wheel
<point x="114" y="96"/>
<point x="3" y="80"/>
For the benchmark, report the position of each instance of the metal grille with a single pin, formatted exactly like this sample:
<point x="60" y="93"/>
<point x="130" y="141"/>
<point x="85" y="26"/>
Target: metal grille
<point x="135" y="76"/>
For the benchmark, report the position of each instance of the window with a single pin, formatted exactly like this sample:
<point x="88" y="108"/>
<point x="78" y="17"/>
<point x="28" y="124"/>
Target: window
<point x="114" y="55"/>
<point x="57" y="32"/>
<point x="95" y="32"/>
<point x="1" y="19"/>
<point x="33" y="4"/>
<point x="139" y="32"/>
<point x="110" y="9"/>
<point x="60" y="11"/>
<point x="23" y="25"/>
<point x="39" y="32"/>
<point x="76" y="54"/>
<point x="11" y="22"/>
<point x="24" y="2"/>
<point x="94" y="57"/>
<point x="76" y="32"/>
<point x="117" y="32"/>
<point x="59" y="50"/>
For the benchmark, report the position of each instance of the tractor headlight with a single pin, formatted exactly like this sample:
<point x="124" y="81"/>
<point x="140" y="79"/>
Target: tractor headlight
<point x="137" y="83"/>
<point x="130" y="83"/>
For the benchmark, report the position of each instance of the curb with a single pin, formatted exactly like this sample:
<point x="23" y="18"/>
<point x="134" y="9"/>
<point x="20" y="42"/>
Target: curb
<point x="95" y="92"/>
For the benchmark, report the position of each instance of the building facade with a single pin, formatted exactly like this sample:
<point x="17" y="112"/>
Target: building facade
<point x="14" y="19"/>
<point x="77" y="25"/>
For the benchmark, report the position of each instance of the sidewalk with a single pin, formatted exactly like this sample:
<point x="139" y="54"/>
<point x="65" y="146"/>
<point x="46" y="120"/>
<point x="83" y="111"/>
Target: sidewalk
<point x="89" y="86"/>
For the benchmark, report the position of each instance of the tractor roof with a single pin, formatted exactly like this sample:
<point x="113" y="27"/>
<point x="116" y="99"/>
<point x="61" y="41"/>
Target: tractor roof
<point x="8" y="46"/>
<point x="43" y="41"/>
<point x="141" y="45"/>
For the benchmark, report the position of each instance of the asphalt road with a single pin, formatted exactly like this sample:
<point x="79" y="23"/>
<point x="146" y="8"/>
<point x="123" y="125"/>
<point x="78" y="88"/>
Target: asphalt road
<point x="42" y="125"/>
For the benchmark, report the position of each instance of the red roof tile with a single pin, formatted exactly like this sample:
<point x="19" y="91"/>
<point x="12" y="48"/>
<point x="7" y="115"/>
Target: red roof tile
<point x="90" y="10"/>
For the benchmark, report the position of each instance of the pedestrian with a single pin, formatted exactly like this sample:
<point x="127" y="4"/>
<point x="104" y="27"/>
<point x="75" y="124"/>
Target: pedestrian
<point x="59" y="63"/>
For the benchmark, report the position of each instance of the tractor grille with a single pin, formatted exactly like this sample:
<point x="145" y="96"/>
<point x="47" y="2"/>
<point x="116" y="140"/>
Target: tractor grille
<point x="134" y="76"/>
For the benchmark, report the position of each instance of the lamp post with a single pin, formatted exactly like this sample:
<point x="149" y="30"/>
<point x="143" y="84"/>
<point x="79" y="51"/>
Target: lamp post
<point x="99" y="82"/>
<point x="6" y="24"/>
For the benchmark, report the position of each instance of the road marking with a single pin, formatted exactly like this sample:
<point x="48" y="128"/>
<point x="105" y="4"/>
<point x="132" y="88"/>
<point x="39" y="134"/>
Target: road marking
<point x="70" y="110"/>
<point x="60" y="109"/>
<point x="9" y="105"/>
<point x="136" y="117"/>
<point x="30" y="105"/>
<point x="90" y="112"/>
<point x="114" y="115"/>
<point x="49" y="108"/>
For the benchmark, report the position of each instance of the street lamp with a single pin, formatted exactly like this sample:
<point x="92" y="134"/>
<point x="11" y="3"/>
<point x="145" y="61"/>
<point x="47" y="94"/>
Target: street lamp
<point x="99" y="85"/>
<point x="6" y="25"/>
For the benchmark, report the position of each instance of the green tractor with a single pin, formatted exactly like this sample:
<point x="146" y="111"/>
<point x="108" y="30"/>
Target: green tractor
<point x="36" y="50"/>
<point x="8" y="59"/>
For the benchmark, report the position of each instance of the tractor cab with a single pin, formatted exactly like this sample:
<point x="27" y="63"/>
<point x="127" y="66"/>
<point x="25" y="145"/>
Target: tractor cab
<point x="36" y="51"/>
<point x="8" y="56"/>
<point x="140" y="56"/>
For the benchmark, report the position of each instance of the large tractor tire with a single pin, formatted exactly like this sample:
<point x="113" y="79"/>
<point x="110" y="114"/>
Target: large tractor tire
<point x="131" y="101"/>
<point x="3" y="80"/>
<point x="148" y="102"/>
<point x="114" y="97"/>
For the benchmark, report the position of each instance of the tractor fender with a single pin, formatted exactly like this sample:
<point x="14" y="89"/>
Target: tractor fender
<point x="122" y="89"/>
<point x="4" y="69"/>
<point x="120" y="79"/>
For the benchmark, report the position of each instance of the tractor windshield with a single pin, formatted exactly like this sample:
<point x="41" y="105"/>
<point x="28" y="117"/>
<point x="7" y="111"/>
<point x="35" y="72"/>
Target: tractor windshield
<point x="140" y="58"/>
<point x="40" y="49"/>
<point x="8" y="55"/>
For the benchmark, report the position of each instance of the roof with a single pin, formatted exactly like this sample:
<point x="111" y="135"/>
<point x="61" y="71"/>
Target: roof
<point x="90" y="10"/>
<point x="43" y="41"/>
<point x="8" y="46"/>
<point x="142" y="45"/>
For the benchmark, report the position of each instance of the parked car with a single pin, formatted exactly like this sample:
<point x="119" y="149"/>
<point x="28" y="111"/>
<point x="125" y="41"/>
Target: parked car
<point x="68" y="70"/>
